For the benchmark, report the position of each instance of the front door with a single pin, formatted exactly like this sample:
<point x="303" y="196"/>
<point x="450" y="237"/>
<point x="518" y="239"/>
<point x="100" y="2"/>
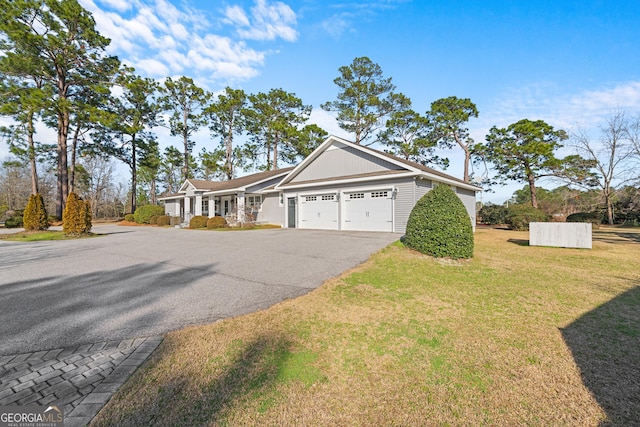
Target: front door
<point x="291" y="203"/>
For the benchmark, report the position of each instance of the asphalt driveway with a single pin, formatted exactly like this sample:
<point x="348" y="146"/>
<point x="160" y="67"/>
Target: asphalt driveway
<point x="142" y="281"/>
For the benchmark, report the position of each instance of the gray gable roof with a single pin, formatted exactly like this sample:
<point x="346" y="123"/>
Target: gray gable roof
<point x="238" y="184"/>
<point x="396" y="165"/>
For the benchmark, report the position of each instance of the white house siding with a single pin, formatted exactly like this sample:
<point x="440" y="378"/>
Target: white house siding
<point x="172" y="207"/>
<point x="468" y="198"/>
<point x="272" y="212"/>
<point x="342" y="161"/>
<point x="408" y="193"/>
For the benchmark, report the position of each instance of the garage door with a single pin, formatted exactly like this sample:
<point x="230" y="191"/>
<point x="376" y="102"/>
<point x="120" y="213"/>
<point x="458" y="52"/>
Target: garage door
<point x="368" y="211"/>
<point x="319" y="211"/>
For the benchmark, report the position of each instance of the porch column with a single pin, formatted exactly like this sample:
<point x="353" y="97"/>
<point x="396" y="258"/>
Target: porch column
<point x="187" y="205"/>
<point x="240" y="206"/>
<point x="212" y="206"/>
<point x="198" y="209"/>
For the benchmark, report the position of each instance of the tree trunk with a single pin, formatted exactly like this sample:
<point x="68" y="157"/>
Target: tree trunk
<point x="185" y="138"/>
<point x="134" y="178"/>
<point x="532" y="189"/>
<point x="275" y="153"/>
<point x="152" y="192"/>
<point x="32" y="154"/>
<point x="607" y="201"/>
<point x="72" y="168"/>
<point x="229" y="153"/>
<point x="63" y="173"/>
<point x="467" y="156"/>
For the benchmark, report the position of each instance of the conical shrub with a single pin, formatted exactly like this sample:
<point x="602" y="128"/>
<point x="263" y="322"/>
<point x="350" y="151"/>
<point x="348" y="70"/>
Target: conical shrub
<point x="76" y="218"/>
<point x="439" y="225"/>
<point x="35" y="214"/>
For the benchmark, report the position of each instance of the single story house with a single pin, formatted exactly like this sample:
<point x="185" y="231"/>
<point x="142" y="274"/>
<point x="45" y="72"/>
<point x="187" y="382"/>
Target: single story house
<point x="340" y="186"/>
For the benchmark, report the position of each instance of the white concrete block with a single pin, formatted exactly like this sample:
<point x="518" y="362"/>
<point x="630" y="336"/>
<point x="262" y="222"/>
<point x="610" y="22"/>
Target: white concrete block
<point x="561" y="234"/>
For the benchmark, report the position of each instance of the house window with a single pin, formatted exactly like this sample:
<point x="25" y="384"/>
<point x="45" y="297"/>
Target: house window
<point x="216" y="205"/>
<point x="356" y="196"/>
<point x="254" y="203"/>
<point x="310" y="198"/>
<point x="329" y="197"/>
<point x="377" y="194"/>
<point x="205" y="207"/>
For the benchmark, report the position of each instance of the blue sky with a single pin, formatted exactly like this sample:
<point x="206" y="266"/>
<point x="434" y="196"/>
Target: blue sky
<point x="570" y="63"/>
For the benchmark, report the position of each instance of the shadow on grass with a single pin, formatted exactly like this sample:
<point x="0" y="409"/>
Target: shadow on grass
<point x="605" y="344"/>
<point x="616" y="236"/>
<point x="519" y="242"/>
<point x="186" y="399"/>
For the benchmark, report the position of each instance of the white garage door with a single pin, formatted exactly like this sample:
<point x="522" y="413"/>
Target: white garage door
<point x="319" y="211"/>
<point x="368" y="211"/>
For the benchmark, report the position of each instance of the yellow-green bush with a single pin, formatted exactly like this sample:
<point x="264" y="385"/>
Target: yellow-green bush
<point x="130" y="218"/>
<point x="76" y="218"/>
<point x="216" y="222"/>
<point x="35" y="214"/>
<point x="198" y="221"/>
<point x="164" y="220"/>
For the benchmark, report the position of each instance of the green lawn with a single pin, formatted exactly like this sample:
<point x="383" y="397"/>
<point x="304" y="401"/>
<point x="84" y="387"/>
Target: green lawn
<point x="34" y="236"/>
<point x="518" y="335"/>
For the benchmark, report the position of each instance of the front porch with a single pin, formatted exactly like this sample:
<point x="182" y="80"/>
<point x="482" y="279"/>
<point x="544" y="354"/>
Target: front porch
<point x="236" y="208"/>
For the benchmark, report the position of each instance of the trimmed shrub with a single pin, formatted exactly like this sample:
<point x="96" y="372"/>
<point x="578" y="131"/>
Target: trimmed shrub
<point x="76" y="218"/>
<point x="439" y="225"/>
<point x="164" y="220"/>
<point x="493" y="214"/>
<point x="198" y="221"/>
<point x="154" y="220"/>
<point x="143" y="214"/>
<point x="13" y="222"/>
<point x="593" y="217"/>
<point x="216" y="222"/>
<point x="130" y="218"/>
<point x="519" y="216"/>
<point x="35" y="214"/>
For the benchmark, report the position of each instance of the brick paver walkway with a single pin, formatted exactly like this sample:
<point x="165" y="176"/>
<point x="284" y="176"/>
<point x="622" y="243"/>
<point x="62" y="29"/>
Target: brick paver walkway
<point x="80" y="379"/>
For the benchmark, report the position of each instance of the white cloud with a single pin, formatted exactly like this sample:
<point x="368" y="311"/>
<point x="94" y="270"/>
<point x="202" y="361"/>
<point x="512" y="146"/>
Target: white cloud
<point x="235" y="15"/>
<point x="587" y="108"/>
<point x="328" y="122"/>
<point x="269" y="21"/>
<point x="153" y="67"/>
<point x="119" y="5"/>
<point x="159" y="39"/>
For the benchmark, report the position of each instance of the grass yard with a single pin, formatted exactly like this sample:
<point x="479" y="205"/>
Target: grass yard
<point x="518" y="335"/>
<point x="36" y="236"/>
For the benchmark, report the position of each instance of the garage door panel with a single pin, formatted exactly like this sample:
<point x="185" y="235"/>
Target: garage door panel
<point x="319" y="211"/>
<point x="368" y="211"/>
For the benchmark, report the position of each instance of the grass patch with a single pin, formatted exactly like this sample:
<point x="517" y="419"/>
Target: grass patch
<point x="36" y="236"/>
<point x="518" y="335"/>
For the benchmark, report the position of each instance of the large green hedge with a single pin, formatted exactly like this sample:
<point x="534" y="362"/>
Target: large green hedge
<point x="439" y="225"/>
<point x="143" y="214"/>
<point x="595" y="218"/>
<point x="493" y="214"/>
<point x="519" y="216"/>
